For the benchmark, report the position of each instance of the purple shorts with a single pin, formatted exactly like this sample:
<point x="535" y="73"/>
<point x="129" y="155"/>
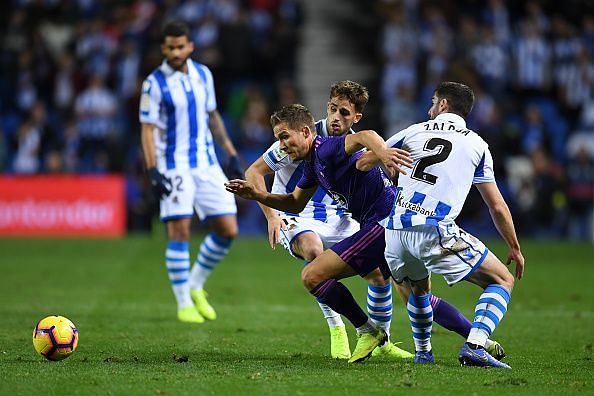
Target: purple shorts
<point x="364" y="250"/>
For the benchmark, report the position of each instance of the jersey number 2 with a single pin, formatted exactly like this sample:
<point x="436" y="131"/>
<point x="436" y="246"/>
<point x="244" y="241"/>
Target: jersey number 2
<point x="445" y="148"/>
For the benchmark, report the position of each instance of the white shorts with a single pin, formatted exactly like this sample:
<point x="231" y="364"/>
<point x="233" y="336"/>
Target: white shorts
<point x="334" y="230"/>
<point x="201" y="190"/>
<point x="413" y="253"/>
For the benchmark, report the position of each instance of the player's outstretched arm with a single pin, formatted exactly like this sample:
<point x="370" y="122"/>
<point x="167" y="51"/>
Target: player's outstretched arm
<point x="255" y="174"/>
<point x="293" y="202"/>
<point x="394" y="159"/>
<point x="503" y="222"/>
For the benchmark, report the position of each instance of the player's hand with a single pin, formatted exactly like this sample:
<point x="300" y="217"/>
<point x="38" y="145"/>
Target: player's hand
<point x="396" y="159"/>
<point x="160" y="184"/>
<point x="367" y="161"/>
<point x="242" y="188"/>
<point x="275" y="225"/>
<point x="516" y="256"/>
<point x="234" y="169"/>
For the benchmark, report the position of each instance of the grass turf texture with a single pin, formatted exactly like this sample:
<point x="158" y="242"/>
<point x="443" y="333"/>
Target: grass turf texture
<point x="270" y="337"/>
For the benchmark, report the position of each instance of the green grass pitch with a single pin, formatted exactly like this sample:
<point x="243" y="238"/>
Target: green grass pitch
<point x="270" y="337"/>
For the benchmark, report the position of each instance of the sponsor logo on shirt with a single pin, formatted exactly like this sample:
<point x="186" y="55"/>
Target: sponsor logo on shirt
<point x="338" y="197"/>
<point x="415" y="207"/>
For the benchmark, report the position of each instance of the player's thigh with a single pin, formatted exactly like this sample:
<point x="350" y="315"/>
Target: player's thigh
<point x="492" y="271"/>
<point x="179" y="203"/>
<point x="211" y="199"/>
<point x="403" y="253"/>
<point x="297" y="233"/>
<point x="307" y="245"/>
<point x="364" y="251"/>
<point x="327" y="265"/>
<point x="453" y="253"/>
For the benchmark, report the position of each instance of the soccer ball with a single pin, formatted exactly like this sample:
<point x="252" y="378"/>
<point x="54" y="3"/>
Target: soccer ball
<point x="55" y="337"/>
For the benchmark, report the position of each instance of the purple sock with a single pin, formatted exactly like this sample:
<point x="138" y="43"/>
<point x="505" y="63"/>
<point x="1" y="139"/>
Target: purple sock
<point x="335" y="295"/>
<point x="447" y="316"/>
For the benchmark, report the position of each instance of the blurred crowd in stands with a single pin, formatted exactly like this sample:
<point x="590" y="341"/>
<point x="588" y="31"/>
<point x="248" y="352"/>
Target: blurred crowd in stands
<point x="531" y="65"/>
<point x="70" y="72"/>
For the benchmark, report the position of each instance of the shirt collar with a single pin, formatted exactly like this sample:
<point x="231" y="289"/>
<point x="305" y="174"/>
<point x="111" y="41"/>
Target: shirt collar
<point x="451" y="117"/>
<point x="168" y="70"/>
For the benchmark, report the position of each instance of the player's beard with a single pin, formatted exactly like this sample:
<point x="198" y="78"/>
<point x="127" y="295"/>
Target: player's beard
<point x="179" y="65"/>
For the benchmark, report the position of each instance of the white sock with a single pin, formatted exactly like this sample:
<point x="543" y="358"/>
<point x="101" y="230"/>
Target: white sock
<point x="177" y="259"/>
<point x="212" y="250"/>
<point x="332" y="317"/>
<point x="368" y="327"/>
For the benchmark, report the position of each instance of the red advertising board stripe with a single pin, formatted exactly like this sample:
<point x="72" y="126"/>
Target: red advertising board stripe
<point x="62" y="206"/>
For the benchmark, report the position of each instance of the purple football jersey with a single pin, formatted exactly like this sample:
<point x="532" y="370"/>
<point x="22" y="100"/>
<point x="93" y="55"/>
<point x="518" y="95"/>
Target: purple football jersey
<point x="369" y="196"/>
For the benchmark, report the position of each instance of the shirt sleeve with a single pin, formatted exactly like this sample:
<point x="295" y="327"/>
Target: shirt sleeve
<point x="150" y="102"/>
<point x="211" y="98"/>
<point x="397" y="140"/>
<point x="484" y="170"/>
<point x="276" y="158"/>
<point x="308" y="179"/>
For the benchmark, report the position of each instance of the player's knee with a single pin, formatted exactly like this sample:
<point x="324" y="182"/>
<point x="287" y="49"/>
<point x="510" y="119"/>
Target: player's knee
<point x="310" y="277"/>
<point x="507" y="280"/>
<point x="311" y="252"/>
<point x="179" y="234"/>
<point x="230" y="233"/>
<point x="376" y="278"/>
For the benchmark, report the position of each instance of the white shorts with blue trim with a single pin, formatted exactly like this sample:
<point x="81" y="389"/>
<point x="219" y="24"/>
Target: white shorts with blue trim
<point x="413" y="253"/>
<point x="201" y="190"/>
<point x="331" y="231"/>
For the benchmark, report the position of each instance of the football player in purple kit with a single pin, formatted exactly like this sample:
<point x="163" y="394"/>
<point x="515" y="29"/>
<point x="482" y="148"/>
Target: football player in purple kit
<point x="331" y="164"/>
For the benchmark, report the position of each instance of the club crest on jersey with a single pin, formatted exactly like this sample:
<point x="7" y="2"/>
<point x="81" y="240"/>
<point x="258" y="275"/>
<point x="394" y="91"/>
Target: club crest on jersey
<point x="338" y="197"/>
<point x="146" y="86"/>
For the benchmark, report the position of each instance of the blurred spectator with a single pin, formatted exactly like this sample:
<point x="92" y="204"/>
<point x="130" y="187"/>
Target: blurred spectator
<point x="32" y="132"/>
<point x="95" y="109"/>
<point x="580" y="194"/>
<point x="532" y="57"/>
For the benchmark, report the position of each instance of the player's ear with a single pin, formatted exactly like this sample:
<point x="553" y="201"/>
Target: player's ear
<point x="357" y="118"/>
<point x="306" y="131"/>
<point x="443" y="105"/>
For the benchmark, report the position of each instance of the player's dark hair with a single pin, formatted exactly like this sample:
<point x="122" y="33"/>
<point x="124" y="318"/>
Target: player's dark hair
<point x="295" y="115"/>
<point x="354" y="92"/>
<point x="459" y="96"/>
<point x="175" y="28"/>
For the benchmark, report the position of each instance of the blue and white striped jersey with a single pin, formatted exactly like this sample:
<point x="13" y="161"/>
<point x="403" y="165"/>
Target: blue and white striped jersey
<point x="447" y="159"/>
<point x="287" y="175"/>
<point x="178" y="105"/>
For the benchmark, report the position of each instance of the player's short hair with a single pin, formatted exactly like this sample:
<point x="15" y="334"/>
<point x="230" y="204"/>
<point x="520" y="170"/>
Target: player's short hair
<point x="459" y="96"/>
<point x="354" y="92"/>
<point x="175" y="28"/>
<point x="295" y="115"/>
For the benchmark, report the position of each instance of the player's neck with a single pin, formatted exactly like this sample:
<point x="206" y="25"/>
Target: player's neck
<point x="182" y="69"/>
<point x="311" y="148"/>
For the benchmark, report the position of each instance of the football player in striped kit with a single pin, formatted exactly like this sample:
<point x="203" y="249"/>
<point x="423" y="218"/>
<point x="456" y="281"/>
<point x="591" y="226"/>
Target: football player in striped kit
<point x="421" y="233"/>
<point x="179" y="125"/>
